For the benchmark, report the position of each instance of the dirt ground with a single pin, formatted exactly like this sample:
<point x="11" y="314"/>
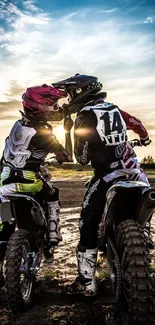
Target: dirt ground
<point x="52" y="306"/>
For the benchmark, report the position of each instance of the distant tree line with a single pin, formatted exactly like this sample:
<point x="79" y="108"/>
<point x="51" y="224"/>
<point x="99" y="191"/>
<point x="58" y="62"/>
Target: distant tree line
<point x="148" y="162"/>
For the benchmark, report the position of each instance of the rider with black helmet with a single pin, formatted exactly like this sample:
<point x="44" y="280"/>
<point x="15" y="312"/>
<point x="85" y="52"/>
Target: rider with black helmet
<point x="100" y="137"/>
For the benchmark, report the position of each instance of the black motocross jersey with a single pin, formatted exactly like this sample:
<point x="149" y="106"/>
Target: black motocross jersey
<point x="100" y="136"/>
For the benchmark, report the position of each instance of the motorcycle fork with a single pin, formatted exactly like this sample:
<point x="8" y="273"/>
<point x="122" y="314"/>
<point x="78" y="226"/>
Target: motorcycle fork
<point x="32" y="263"/>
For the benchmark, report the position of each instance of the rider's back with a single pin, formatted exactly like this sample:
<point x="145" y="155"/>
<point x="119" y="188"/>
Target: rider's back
<point x="105" y="133"/>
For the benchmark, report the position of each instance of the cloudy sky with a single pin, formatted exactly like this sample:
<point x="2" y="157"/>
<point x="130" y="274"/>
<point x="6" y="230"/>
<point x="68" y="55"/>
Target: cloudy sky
<point x="44" y="41"/>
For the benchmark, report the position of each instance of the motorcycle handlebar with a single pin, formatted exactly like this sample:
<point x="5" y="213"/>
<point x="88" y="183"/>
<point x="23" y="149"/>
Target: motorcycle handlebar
<point x="135" y="143"/>
<point x="48" y="161"/>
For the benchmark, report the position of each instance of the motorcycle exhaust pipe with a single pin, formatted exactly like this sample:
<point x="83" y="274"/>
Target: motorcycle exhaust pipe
<point x="37" y="216"/>
<point x="147" y="207"/>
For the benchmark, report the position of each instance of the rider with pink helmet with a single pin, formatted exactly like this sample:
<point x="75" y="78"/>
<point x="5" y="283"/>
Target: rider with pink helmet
<point x="40" y="103"/>
<point x="29" y="142"/>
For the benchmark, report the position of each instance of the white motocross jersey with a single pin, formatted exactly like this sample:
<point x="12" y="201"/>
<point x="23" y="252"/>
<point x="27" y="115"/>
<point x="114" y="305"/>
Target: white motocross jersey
<point x="110" y="125"/>
<point x="16" y="150"/>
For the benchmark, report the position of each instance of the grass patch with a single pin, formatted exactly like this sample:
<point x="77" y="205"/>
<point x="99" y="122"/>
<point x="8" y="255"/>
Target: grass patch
<point x="51" y="275"/>
<point x="72" y="173"/>
<point x="102" y="275"/>
<point x="72" y="170"/>
<point x="150" y="171"/>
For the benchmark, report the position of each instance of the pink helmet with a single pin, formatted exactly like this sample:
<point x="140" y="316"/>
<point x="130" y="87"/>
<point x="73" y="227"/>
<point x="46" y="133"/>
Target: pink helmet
<point x="39" y="102"/>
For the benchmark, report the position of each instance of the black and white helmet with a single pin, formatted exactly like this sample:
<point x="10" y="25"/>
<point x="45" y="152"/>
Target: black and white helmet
<point x="81" y="90"/>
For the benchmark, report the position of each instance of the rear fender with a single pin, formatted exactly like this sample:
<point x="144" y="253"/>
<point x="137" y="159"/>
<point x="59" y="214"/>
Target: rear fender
<point x="147" y="207"/>
<point x="27" y="212"/>
<point x="123" y="200"/>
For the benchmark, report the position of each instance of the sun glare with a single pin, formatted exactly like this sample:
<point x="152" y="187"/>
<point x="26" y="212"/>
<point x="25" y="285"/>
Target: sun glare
<point x="59" y="133"/>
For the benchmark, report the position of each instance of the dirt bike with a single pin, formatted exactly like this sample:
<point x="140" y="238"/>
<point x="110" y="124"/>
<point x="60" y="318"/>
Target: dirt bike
<point x="26" y="246"/>
<point x="129" y="205"/>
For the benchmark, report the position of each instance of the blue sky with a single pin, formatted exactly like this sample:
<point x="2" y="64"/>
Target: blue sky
<point x="44" y="41"/>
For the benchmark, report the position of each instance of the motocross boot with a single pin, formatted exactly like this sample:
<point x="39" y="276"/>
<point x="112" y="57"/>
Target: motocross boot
<point x="148" y="236"/>
<point x="86" y="269"/>
<point x="85" y="283"/>
<point x="54" y="233"/>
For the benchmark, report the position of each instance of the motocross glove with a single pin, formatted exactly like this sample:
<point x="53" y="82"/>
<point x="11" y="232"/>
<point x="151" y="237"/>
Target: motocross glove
<point x="145" y="142"/>
<point x="62" y="156"/>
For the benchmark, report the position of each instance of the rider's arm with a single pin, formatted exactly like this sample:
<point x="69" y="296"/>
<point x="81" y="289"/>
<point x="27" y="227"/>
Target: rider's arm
<point x="134" y="124"/>
<point x="45" y="140"/>
<point x="83" y="133"/>
<point x="60" y="152"/>
<point x="68" y="124"/>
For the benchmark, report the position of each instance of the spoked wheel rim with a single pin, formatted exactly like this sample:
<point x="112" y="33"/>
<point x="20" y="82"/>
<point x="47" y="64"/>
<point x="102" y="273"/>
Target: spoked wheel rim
<point x="125" y="284"/>
<point x="26" y="278"/>
<point x="21" y="267"/>
<point x="114" y="269"/>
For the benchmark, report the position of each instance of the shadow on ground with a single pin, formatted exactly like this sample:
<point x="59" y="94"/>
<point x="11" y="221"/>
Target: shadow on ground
<point x="53" y="306"/>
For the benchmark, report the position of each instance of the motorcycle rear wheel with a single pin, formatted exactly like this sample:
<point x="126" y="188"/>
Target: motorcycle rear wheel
<point x="138" y="291"/>
<point x="19" y="280"/>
